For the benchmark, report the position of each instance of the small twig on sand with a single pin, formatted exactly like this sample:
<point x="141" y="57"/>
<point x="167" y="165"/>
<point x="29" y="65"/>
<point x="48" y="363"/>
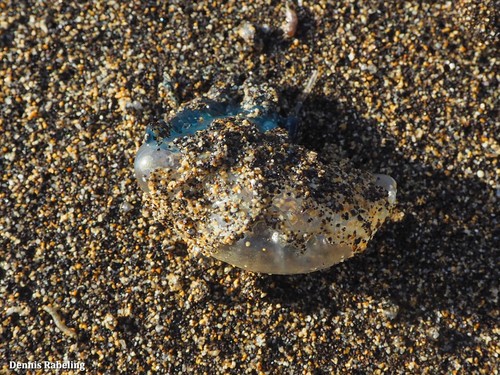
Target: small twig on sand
<point x="58" y="321"/>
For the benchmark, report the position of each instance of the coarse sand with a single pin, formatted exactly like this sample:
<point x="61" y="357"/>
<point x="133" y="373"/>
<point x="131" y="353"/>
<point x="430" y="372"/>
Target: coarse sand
<point x="408" y="89"/>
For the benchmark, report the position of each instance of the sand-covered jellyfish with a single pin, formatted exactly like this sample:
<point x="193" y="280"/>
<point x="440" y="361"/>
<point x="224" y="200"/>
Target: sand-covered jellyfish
<point x="226" y="176"/>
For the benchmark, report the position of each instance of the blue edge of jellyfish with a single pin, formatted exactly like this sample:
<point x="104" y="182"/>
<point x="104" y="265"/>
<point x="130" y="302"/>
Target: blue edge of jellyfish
<point x="188" y="122"/>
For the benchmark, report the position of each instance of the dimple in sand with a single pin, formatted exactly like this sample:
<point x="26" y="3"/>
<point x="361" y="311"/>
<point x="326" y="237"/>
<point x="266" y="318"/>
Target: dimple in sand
<point x="224" y="174"/>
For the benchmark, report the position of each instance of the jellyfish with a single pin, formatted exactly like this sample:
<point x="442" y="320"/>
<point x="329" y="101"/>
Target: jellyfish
<point x="226" y="175"/>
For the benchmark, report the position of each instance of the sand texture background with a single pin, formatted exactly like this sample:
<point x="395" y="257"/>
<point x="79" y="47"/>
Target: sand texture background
<point x="406" y="88"/>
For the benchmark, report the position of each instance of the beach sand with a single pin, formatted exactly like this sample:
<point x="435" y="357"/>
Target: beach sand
<point x="409" y="89"/>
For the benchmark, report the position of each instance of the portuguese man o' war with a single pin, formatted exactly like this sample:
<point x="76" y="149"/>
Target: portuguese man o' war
<point x="225" y="175"/>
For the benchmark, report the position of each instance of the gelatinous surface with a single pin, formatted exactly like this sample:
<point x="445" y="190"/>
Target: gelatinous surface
<point x="225" y="176"/>
<point x="158" y="150"/>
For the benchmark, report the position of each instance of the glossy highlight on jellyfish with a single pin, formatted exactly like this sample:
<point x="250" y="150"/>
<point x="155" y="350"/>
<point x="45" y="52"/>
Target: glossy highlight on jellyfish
<point x="225" y="174"/>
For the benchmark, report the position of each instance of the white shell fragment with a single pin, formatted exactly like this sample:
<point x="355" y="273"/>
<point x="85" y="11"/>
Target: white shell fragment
<point x="289" y="27"/>
<point x="246" y="31"/>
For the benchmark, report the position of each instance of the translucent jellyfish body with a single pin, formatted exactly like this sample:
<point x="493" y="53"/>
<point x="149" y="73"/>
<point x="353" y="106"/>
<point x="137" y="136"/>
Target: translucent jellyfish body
<point x="226" y="178"/>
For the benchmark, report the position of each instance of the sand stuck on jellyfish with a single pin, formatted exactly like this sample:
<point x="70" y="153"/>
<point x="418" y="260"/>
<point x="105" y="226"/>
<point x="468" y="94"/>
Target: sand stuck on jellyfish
<point x="226" y="176"/>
